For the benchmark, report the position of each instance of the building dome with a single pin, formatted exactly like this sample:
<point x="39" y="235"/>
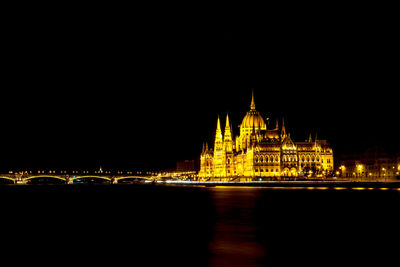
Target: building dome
<point x="253" y="119"/>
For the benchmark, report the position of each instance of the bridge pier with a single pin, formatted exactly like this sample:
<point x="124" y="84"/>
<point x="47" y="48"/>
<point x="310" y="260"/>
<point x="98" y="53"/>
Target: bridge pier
<point x="18" y="179"/>
<point x="68" y="180"/>
<point x="114" y="181"/>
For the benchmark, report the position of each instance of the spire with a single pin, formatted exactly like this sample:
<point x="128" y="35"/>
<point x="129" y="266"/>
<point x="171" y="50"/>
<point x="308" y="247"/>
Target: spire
<point x="310" y="139"/>
<point x="228" y="144"/>
<point x="283" y="132"/>
<point x="227" y="121"/>
<point x="218" y="136"/>
<point x="227" y="134"/>
<point x="277" y="125"/>
<point x="219" y="127"/>
<point x="203" y="150"/>
<point x="252" y="105"/>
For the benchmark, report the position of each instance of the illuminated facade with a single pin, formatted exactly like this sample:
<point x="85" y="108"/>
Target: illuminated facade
<point x="261" y="152"/>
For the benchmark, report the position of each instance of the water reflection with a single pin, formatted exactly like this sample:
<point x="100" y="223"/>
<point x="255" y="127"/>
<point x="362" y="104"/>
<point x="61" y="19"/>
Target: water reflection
<point x="235" y="232"/>
<point x="281" y="227"/>
<point x="117" y="225"/>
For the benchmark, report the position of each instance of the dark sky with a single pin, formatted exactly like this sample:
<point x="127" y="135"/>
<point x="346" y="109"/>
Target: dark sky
<point x="129" y="87"/>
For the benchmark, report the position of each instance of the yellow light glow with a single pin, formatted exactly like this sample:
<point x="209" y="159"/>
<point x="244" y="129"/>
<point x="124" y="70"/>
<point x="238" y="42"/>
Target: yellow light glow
<point x="247" y="154"/>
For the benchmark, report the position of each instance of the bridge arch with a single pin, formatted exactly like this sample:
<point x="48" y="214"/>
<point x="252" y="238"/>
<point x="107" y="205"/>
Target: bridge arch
<point x="45" y="179"/>
<point x="44" y="176"/>
<point x="73" y="179"/>
<point x="132" y="177"/>
<point x="5" y="179"/>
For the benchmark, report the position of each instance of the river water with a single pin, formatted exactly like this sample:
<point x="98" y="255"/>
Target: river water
<point x="147" y="225"/>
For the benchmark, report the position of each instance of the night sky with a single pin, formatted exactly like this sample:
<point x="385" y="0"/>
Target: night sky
<point x="134" y="88"/>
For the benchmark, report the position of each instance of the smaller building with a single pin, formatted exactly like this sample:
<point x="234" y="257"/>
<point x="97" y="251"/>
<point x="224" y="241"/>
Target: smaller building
<point x="374" y="162"/>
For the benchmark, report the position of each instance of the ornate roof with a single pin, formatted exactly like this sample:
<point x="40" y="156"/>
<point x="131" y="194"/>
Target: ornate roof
<point x="253" y="119"/>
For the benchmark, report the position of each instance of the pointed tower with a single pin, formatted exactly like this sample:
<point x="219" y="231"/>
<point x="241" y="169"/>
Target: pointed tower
<point x="316" y="145"/>
<point x="227" y="132"/>
<point x="218" y="137"/>
<point x="219" y="153"/>
<point x="228" y="143"/>
<point x="252" y="105"/>
<point x="310" y="139"/>
<point x="283" y="132"/>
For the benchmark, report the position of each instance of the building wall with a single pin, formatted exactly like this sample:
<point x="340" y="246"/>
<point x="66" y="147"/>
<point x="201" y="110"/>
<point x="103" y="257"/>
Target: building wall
<point x="273" y="162"/>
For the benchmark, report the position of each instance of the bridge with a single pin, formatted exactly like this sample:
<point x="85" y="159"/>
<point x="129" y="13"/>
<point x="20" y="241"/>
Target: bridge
<point x="25" y="178"/>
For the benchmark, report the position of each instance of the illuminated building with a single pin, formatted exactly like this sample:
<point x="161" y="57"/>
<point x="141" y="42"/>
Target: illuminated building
<point x="262" y="152"/>
<point x="375" y="161"/>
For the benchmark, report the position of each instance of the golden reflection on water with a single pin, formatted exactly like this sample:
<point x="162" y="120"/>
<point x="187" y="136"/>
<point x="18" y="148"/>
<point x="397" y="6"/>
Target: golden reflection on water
<point x="303" y="188"/>
<point x="235" y="234"/>
<point x="235" y="240"/>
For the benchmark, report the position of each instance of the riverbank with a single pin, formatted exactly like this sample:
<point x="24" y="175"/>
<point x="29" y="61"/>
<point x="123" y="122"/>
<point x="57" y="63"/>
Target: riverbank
<point x="324" y="184"/>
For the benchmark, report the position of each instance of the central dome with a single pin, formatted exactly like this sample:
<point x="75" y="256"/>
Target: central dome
<point x="253" y="119"/>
